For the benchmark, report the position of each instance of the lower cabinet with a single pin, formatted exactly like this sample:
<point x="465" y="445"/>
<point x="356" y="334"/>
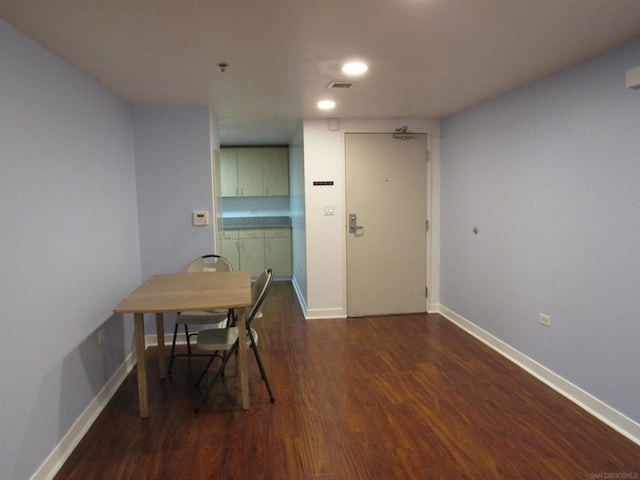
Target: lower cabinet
<point x="255" y="250"/>
<point x="277" y="251"/>
<point x="251" y="244"/>
<point x="231" y="248"/>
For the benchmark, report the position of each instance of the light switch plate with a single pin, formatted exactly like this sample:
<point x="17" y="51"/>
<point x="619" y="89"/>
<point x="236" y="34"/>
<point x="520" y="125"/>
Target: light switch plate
<point x="544" y="320"/>
<point x="329" y="210"/>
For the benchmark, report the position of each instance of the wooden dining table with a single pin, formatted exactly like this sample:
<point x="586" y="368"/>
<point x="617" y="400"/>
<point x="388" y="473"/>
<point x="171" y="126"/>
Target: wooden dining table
<point x="184" y="292"/>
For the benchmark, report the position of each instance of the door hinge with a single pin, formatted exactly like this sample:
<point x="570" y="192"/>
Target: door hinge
<point x="426" y="292"/>
<point x="427" y="225"/>
<point x="428" y="155"/>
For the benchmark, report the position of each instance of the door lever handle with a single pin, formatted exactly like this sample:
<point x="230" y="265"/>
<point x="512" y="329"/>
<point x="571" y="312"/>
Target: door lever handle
<point x="353" y="224"/>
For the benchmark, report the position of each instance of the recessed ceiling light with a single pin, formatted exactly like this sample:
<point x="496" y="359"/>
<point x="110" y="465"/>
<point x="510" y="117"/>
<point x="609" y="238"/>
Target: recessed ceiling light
<point x="355" y="68"/>
<point x="326" y="104"/>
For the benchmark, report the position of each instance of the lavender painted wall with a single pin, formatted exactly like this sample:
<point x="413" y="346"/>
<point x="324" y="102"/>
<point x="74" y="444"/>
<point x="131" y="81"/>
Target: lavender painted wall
<point x="174" y="178"/>
<point x="69" y="246"/>
<point x="550" y="176"/>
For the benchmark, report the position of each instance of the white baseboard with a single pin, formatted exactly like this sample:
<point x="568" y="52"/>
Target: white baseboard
<point x="433" y="308"/>
<point x="616" y="420"/>
<point x="320" y="313"/>
<point x="325" y="313"/>
<point x="70" y="441"/>
<point x="181" y="339"/>
<point x="152" y="340"/>
<point x="299" y="295"/>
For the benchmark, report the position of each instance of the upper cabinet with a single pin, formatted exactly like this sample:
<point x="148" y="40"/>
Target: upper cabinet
<point x="249" y="172"/>
<point x="275" y="171"/>
<point x="254" y="171"/>
<point x="229" y="172"/>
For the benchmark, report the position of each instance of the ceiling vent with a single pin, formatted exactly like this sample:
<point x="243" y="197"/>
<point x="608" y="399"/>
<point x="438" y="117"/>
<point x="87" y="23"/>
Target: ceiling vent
<point x="340" y="85"/>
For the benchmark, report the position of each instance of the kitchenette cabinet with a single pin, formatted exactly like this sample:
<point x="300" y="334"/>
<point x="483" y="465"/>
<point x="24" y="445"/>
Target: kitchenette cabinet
<point x="254" y="171"/>
<point x="250" y="181"/>
<point x="255" y="250"/>
<point x="231" y="248"/>
<point x="229" y="172"/>
<point x="251" y="249"/>
<point x="275" y="171"/>
<point x="277" y="250"/>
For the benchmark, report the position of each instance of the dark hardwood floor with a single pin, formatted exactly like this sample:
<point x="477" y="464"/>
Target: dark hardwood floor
<point x="403" y="397"/>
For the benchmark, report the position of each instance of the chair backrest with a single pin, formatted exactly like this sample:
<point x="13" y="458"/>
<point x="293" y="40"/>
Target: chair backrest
<point x="210" y="263"/>
<point x="259" y="293"/>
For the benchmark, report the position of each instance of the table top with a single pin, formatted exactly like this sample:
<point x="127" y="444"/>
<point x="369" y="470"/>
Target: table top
<point x="183" y="292"/>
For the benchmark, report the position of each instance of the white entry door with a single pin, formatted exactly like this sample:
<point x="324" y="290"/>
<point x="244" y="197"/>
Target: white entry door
<point x="386" y="190"/>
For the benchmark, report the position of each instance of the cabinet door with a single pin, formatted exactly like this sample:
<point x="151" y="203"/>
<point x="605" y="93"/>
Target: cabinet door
<point x="275" y="171"/>
<point x="231" y="248"/>
<point x="277" y="250"/>
<point x="249" y="172"/>
<point x="252" y="256"/>
<point x="229" y="172"/>
<point x="252" y="251"/>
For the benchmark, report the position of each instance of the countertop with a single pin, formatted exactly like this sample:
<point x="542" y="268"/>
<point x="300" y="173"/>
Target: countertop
<point x="255" y="222"/>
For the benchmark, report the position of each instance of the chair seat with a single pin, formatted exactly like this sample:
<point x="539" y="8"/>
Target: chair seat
<point x="214" y="339"/>
<point x="201" y="317"/>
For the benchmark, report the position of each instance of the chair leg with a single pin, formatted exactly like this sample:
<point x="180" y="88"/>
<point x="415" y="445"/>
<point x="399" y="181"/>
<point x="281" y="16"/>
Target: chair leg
<point x="173" y="349"/>
<point x="256" y="353"/>
<point x="206" y="369"/>
<point x="264" y="375"/>
<point x="186" y="332"/>
<point x="208" y="388"/>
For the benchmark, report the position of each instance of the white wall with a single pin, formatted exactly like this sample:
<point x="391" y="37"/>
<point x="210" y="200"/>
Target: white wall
<point x="324" y="235"/>
<point x="297" y="206"/>
<point x="550" y="176"/>
<point x="174" y="178"/>
<point x="69" y="247"/>
<point x="324" y="160"/>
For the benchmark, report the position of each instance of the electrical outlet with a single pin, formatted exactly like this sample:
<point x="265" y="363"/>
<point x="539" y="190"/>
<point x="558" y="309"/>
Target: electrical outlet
<point x="544" y="320"/>
<point x="102" y="336"/>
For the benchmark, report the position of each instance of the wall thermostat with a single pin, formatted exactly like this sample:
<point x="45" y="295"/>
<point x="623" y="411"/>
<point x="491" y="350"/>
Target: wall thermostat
<point x="200" y="218"/>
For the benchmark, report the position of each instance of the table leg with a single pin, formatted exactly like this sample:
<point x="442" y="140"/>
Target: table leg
<point x="138" y="320"/>
<point x="162" y="363"/>
<point x="242" y="353"/>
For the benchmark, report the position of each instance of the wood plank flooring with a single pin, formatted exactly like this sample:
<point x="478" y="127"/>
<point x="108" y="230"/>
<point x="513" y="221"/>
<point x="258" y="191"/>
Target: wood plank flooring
<point x="404" y="397"/>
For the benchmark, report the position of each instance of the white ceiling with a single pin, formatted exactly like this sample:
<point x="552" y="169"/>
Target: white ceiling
<point x="427" y="58"/>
